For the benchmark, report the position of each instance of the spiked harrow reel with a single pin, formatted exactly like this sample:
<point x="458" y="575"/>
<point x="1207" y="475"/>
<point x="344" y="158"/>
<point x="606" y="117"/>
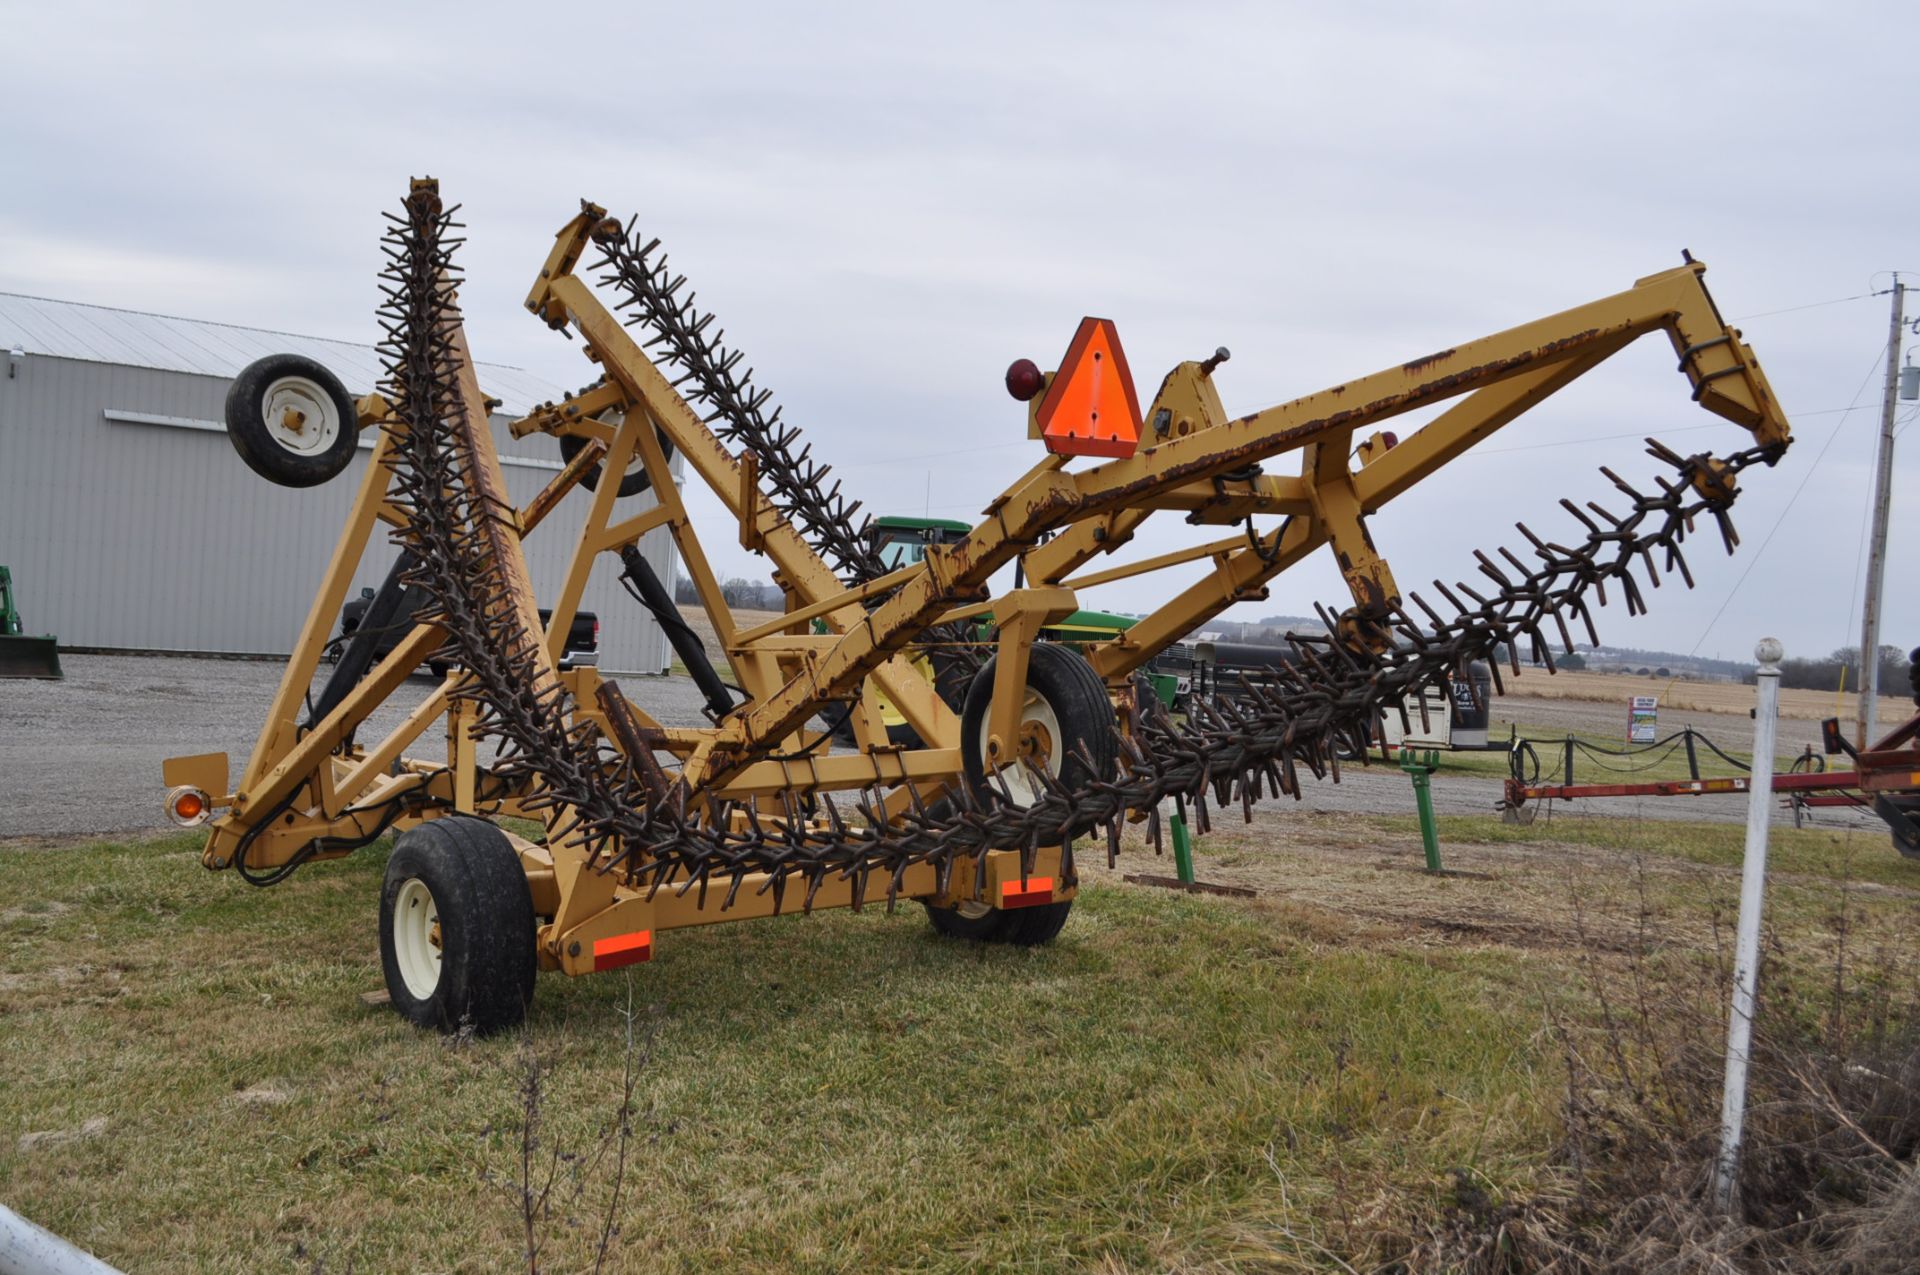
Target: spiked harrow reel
<point x="648" y="828"/>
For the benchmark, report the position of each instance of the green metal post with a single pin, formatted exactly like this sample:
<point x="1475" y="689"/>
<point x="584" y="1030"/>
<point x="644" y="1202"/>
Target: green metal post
<point x="1420" y="770"/>
<point x="1182" y="850"/>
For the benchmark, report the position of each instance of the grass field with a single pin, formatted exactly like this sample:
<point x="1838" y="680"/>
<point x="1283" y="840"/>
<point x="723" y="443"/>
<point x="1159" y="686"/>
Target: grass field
<point x="1705" y="697"/>
<point x="189" y="1082"/>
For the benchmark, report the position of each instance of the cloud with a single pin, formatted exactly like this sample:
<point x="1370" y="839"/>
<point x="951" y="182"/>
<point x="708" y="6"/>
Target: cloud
<point x="887" y="203"/>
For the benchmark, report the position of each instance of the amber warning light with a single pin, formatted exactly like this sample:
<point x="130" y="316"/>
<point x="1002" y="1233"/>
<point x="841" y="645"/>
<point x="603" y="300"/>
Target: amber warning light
<point x="188" y="806"/>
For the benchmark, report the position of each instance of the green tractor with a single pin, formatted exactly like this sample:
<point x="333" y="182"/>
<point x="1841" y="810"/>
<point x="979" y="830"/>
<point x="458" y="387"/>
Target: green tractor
<point x="903" y="541"/>
<point x="20" y="655"/>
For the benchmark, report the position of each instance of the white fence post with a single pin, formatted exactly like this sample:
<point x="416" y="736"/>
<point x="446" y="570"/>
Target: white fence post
<point x="26" y="1249"/>
<point x="1746" y="952"/>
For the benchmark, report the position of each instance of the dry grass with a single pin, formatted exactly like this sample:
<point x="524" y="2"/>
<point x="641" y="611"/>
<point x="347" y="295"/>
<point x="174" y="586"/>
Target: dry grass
<point x="697" y="620"/>
<point x="1321" y="1075"/>
<point x="1705" y="697"/>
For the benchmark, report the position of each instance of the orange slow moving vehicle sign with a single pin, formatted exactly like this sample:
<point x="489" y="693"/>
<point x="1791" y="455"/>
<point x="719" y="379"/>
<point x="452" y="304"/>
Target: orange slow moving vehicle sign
<point x="1091" y="409"/>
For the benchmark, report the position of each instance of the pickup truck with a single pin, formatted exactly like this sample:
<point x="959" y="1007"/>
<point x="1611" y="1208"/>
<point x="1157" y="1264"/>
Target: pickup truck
<point x="582" y="649"/>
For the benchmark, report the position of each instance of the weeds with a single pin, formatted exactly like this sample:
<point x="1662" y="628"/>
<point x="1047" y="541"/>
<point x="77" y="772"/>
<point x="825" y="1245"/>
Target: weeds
<point x="543" y="1162"/>
<point x="1828" y="1180"/>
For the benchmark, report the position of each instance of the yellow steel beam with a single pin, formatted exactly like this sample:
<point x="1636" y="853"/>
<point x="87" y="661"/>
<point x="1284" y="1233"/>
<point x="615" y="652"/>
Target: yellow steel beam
<point x="1192" y="553"/>
<point x="871" y="589"/>
<point x="671" y="908"/>
<point x="627" y="364"/>
<point x="1239" y="576"/>
<point x="276" y="734"/>
<point x="300" y="762"/>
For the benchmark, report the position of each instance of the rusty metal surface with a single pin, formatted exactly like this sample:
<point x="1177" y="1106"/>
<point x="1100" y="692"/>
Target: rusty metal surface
<point x="1191" y="887"/>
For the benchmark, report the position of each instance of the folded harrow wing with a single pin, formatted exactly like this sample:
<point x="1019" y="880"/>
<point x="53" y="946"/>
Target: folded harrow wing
<point x="1030" y="745"/>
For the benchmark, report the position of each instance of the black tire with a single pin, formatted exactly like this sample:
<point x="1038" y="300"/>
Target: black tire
<point x="1077" y="698"/>
<point x="1902" y="813"/>
<point x="1020" y="927"/>
<point x="482" y="976"/>
<point x="258" y="404"/>
<point x="633" y="482"/>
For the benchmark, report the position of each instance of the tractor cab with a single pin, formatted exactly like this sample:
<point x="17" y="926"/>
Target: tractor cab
<point x="901" y="542"/>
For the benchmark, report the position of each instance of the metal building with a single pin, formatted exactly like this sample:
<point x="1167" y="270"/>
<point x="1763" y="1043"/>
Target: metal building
<point x="131" y="524"/>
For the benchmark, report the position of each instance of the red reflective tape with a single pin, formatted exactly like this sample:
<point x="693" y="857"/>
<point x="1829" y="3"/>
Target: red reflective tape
<point x="622" y="949"/>
<point x="1037" y="890"/>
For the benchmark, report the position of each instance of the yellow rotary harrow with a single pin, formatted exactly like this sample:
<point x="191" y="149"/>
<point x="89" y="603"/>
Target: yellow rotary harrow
<point x="1018" y="749"/>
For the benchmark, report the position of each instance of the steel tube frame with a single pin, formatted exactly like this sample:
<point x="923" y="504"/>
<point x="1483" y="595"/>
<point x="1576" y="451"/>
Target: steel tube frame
<point x="789" y="673"/>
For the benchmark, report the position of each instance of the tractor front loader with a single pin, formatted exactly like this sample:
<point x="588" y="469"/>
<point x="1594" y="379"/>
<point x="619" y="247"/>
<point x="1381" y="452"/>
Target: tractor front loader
<point x="22" y="654"/>
<point x="649" y="828"/>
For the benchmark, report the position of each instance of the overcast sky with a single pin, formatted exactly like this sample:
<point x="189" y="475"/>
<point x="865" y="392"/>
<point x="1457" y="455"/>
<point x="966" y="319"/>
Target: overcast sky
<point x="888" y="203"/>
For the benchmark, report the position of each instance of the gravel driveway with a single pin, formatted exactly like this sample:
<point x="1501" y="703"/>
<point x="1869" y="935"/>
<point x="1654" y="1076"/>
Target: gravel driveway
<point x="82" y="756"/>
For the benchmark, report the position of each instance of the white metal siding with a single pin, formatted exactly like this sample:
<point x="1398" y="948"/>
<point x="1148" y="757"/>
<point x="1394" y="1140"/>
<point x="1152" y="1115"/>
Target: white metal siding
<point x="141" y="536"/>
<point x="131" y="338"/>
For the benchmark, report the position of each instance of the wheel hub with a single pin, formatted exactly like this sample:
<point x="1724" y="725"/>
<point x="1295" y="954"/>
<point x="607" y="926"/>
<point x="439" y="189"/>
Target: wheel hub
<point x="417" y="938"/>
<point x="300" y="415"/>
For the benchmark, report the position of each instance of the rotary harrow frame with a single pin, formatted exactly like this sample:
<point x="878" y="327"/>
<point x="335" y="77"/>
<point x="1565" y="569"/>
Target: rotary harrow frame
<point x="975" y="822"/>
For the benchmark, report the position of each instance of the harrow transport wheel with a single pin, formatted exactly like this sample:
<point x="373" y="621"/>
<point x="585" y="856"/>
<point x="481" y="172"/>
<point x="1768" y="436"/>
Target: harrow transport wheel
<point x="291" y="420"/>
<point x="635" y="480"/>
<point x="1066" y="706"/>
<point x="1022" y="927"/>
<point x="456" y="927"/>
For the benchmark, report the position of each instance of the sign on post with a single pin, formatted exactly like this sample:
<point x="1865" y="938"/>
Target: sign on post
<point x="1643" y="719"/>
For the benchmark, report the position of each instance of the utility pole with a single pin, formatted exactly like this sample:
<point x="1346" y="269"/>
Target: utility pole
<point x="1877" y="544"/>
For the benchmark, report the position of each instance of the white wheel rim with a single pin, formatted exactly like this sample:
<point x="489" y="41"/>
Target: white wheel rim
<point x="416" y="938"/>
<point x="301" y="417"/>
<point x="1021" y="784"/>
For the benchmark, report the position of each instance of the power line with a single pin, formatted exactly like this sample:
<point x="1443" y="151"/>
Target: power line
<point x="1811" y="305"/>
<point x="1781" y="520"/>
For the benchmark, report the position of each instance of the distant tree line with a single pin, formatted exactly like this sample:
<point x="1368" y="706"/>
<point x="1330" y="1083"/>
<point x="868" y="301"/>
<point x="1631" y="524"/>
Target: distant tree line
<point x="739" y="592"/>
<point x="1824" y="674"/>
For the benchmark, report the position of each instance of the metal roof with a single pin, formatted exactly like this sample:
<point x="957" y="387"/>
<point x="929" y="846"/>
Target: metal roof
<point x="131" y="338"/>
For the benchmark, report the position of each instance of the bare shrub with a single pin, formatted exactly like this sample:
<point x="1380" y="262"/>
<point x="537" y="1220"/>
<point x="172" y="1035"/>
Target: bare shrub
<point x="558" y="1192"/>
<point x="1828" y="1176"/>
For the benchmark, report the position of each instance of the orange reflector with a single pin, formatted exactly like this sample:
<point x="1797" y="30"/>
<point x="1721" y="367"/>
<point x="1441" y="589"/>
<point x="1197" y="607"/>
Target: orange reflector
<point x="622" y="949"/>
<point x="1037" y="890"/>
<point x="188" y="805"/>
<point x="1091" y="408"/>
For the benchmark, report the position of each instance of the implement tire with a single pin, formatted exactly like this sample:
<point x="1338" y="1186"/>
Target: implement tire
<point x="291" y="420"/>
<point x="1068" y="701"/>
<point x="634" y="481"/>
<point x="457" y="928"/>
<point x="1021" y="927"/>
